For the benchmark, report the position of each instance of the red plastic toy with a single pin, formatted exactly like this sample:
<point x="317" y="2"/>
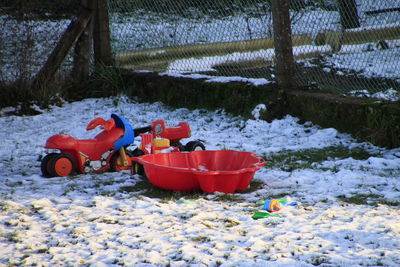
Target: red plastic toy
<point x="224" y="171"/>
<point x="158" y="138"/>
<point x="105" y="151"/>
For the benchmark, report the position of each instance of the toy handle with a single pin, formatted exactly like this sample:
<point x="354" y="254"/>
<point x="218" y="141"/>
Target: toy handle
<point x="105" y="125"/>
<point x="94" y="123"/>
<point x="108" y="125"/>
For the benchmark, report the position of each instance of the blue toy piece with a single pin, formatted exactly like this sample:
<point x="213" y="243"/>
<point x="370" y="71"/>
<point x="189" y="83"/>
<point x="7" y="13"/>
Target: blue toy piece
<point x="128" y="137"/>
<point x="274" y="205"/>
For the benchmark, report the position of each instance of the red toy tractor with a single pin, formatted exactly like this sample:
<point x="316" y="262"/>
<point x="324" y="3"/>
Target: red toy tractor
<point x="157" y="138"/>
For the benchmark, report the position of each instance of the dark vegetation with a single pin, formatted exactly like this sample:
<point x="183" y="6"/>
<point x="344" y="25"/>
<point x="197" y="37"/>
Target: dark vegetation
<point x="39" y="9"/>
<point x="145" y="188"/>
<point x="370" y="199"/>
<point x="310" y="158"/>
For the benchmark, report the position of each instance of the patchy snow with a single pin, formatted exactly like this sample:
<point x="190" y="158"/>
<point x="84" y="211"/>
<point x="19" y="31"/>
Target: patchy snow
<point x="207" y="63"/>
<point x="88" y="220"/>
<point x="257" y="110"/>
<point x="389" y="94"/>
<point x="220" y="79"/>
<point x="190" y="65"/>
<point x="370" y="62"/>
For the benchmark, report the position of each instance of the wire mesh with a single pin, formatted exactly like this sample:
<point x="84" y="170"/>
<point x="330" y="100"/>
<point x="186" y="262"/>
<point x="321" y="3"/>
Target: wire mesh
<point x="349" y="46"/>
<point x="29" y="32"/>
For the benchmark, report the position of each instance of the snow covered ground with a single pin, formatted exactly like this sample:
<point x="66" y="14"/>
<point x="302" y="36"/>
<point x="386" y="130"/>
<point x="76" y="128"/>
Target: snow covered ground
<point x="91" y="220"/>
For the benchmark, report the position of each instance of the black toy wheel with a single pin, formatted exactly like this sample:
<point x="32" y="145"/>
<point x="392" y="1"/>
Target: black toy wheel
<point x="44" y="165"/>
<point x="194" y="146"/>
<point x="178" y="145"/>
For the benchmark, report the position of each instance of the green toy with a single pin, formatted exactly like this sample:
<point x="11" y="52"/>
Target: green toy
<point x="262" y="214"/>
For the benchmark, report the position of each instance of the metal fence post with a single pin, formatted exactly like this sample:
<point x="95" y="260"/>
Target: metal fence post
<point x="284" y="61"/>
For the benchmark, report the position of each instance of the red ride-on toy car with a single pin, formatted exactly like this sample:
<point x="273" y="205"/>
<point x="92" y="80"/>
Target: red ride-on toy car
<point x="158" y="138"/>
<point x="105" y="151"/>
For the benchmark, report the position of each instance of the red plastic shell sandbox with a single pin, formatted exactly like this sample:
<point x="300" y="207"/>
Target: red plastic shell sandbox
<point x="224" y="171"/>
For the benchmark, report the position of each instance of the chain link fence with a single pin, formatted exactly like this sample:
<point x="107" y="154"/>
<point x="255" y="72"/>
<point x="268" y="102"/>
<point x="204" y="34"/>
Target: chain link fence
<point x="29" y="32"/>
<point x="351" y="47"/>
<point x="347" y="46"/>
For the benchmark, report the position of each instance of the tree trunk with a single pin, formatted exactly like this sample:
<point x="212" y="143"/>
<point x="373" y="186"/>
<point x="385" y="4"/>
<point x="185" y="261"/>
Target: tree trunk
<point x="284" y="62"/>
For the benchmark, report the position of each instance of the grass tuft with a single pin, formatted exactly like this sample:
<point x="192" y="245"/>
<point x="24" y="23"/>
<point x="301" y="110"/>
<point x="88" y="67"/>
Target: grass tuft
<point x="145" y="188"/>
<point x="201" y="239"/>
<point x="307" y="158"/>
<point x="386" y="202"/>
<point x="368" y="199"/>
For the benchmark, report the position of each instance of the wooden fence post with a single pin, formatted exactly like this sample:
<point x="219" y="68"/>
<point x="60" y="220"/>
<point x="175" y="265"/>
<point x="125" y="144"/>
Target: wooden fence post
<point x="101" y="35"/>
<point x="348" y="14"/>
<point x="284" y="61"/>
<point x="83" y="47"/>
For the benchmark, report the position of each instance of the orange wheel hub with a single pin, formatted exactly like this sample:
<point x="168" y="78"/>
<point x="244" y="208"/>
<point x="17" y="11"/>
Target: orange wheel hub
<point x="63" y="166"/>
